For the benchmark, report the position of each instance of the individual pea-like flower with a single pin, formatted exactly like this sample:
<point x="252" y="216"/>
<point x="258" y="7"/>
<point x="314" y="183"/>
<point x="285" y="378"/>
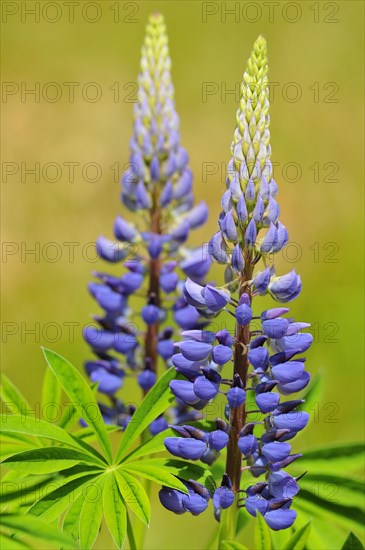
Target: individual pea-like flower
<point x="223" y="496"/>
<point x="195" y="444"/>
<point x="157" y="186"/>
<point x="263" y="361"/>
<point x="195" y="502"/>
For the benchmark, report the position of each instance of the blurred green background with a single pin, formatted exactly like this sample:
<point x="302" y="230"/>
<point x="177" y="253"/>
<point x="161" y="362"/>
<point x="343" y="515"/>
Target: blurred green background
<point x="316" y="69"/>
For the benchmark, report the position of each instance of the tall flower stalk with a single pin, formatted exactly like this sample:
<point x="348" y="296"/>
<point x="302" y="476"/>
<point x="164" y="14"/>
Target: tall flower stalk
<point x="157" y="188"/>
<point x="261" y="352"/>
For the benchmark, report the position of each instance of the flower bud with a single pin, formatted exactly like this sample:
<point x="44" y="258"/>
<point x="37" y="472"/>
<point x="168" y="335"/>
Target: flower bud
<point x="243" y="314"/>
<point x="251" y="233"/>
<point x="261" y="280"/>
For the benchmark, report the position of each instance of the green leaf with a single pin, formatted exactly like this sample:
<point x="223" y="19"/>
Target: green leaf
<point x="332" y="453"/>
<point x="9" y="543"/>
<point x="189" y="470"/>
<point x="71" y="519"/>
<point x="53" y="504"/>
<point x="29" y="525"/>
<point x="13" y="491"/>
<point x="48" y="460"/>
<point x="312" y="395"/>
<point x="153" y="445"/>
<point x="232" y="545"/>
<point x="242" y="520"/>
<point x="130" y="533"/>
<point x="156" y="402"/>
<point x="134" y="495"/>
<point x="83" y="398"/>
<point x="17" y="426"/>
<point x="262" y="534"/>
<point x="68" y="417"/>
<point x="10" y="446"/>
<point x="51" y="392"/>
<point x="114" y="511"/>
<point x="352" y="543"/>
<point x="351" y="512"/>
<point x="40" y="428"/>
<point x="10" y="394"/>
<point x="85" y="434"/>
<point x="343" y="482"/>
<point x="156" y="470"/>
<point x="91" y="514"/>
<point x="299" y="539"/>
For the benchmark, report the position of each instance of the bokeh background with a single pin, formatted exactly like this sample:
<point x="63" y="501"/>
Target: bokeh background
<point x="317" y="74"/>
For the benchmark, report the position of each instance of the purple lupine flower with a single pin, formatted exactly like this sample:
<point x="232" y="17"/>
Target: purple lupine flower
<point x="266" y="344"/>
<point x="157" y="185"/>
<point x="223" y="496"/>
<point x="178" y="502"/>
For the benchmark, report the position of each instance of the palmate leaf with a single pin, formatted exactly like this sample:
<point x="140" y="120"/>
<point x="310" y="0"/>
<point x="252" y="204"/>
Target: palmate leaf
<point x="155" y="403"/>
<point x="52" y="505"/>
<point x="85" y="434"/>
<point x="19" y="425"/>
<point x="10" y="446"/>
<point x="114" y="510"/>
<point x="81" y="395"/>
<point x="152" y="446"/>
<point x="352" y="543"/>
<point x="64" y="475"/>
<point x="19" y="491"/>
<point x="36" y="428"/>
<point x="134" y="495"/>
<point x="299" y="539"/>
<point x="29" y="525"/>
<point x="91" y="513"/>
<point x="156" y="470"/>
<point x="49" y="460"/>
<point x="262" y="534"/>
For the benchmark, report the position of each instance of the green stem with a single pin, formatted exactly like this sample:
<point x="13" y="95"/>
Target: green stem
<point x="228" y="523"/>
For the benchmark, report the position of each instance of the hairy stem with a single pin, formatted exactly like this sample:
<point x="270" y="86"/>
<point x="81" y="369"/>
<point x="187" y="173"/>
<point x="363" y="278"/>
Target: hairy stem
<point x="238" y="415"/>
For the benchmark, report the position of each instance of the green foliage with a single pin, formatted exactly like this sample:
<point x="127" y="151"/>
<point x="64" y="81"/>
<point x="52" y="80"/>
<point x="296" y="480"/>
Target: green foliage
<point x="232" y="545"/>
<point x="155" y="403"/>
<point x="262" y="534"/>
<point x="299" y="539"/>
<point x="67" y="480"/>
<point x="69" y="476"/>
<point x="81" y="396"/>
<point x="13" y="526"/>
<point x="352" y="543"/>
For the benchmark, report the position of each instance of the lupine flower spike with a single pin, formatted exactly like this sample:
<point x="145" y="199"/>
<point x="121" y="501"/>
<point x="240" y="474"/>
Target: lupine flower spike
<point x="263" y="363"/>
<point x="157" y="187"/>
